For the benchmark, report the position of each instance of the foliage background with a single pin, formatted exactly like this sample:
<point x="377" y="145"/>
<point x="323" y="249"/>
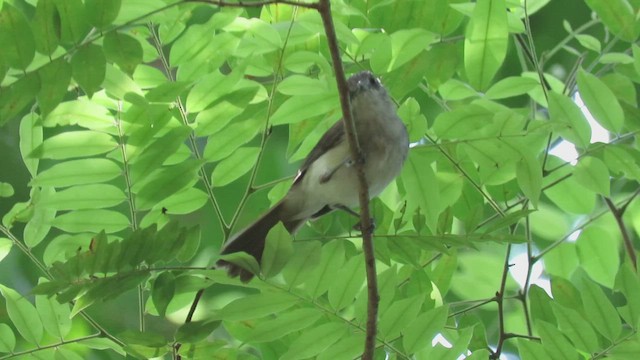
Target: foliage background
<point x="256" y="83"/>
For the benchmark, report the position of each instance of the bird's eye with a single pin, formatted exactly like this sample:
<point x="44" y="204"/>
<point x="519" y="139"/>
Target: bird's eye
<point x="373" y="81"/>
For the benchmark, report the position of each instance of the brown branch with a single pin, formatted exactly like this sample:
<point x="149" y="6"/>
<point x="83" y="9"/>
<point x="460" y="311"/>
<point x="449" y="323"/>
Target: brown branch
<point x="324" y="8"/>
<point x="628" y="244"/>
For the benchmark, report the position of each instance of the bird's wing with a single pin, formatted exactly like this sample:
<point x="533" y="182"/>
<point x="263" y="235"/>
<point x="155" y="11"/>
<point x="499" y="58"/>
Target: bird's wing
<point x="329" y="140"/>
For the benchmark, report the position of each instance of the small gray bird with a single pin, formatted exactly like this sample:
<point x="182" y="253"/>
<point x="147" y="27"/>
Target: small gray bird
<point x="327" y="179"/>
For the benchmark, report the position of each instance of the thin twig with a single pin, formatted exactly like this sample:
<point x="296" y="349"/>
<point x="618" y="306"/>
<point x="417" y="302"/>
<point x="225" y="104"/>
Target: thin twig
<point x="628" y="244"/>
<point x="324" y="8"/>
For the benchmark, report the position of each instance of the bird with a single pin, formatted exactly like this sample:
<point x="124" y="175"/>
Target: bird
<point x="327" y="179"/>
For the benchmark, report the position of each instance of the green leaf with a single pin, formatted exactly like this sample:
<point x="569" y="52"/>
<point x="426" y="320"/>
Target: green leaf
<point x="618" y="16"/>
<point x="46" y="26"/>
<point x="154" y="155"/>
<point x="54" y="80"/>
<point x="18" y="96"/>
<point x="345" y="287"/>
<point x="463" y="122"/>
<point x="576" y="328"/>
<point x="23" y="315"/>
<point x="529" y="175"/>
<point x="314" y="341"/>
<point x="196" y="331"/>
<point x="40" y="223"/>
<point x="163" y="183"/>
<point x="16" y="38"/>
<point x="239" y="163"/>
<point x="162" y="291"/>
<point x="569" y="120"/>
<point x="226" y="142"/>
<point x="244" y="260"/>
<point x="212" y="87"/>
<point x="622" y="159"/>
<point x="93" y="196"/>
<point x="91" y="221"/>
<point x="602" y="314"/>
<point x="77" y="172"/>
<point x="73" y="21"/>
<point x="530" y="350"/>
<point x="556" y="344"/>
<point x="84" y="113"/>
<point x="593" y="174"/>
<point x="277" y="250"/>
<point x="589" y="42"/>
<point x="6" y="190"/>
<point x="89" y="66"/>
<point x="600" y="101"/>
<point x="598" y="253"/>
<point x="322" y="277"/>
<point x="349" y="346"/>
<point x="455" y="89"/>
<point x="284" y="324"/>
<point x="423" y="328"/>
<point x="572" y="197"/>
<point x="298" y="108"/>
<point x="399" y="315"/>
<point x="485" y="45"/>
<point x="419" y="180"/>
<point x="101" y="13"/>
<point x="71" y="144"/>
<point x="510" y="87"/>
<point x="258" y="305"/>
<point x="302" y="85"/>
<point x="540" y="305"/>
<point x="55" y="316"/>
<point x="413" y="118"/>
<point x="7" y="339"/>
<point x="5" y="247"/>
<point x="122" y="49"/>
<point x="306" y="259"/>
<point x="185" y="201"/>
<point x="628" y="283"/>
<point x="167" y="92"/>
<point x="30" y="138"/>
<point x="406" y="44"/>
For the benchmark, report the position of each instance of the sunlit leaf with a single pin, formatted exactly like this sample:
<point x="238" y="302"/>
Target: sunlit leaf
<point x="511" y="86"/>
<point x="576" y="328"/>
<point x="236" y="165"/>
<point x="72" y="144"/>
<point x="7" y="339"/>
<point x="23" y="315"/>
<point x="91" y="220"/>
<point x="600" y="101"/>
<point x="571" y="122"/>
<point x="55" y="316"/>
<point x="85" y="113"/>
<point x="77" y="172"/>
<point x="485" y="42"/>
<point x="93" y="196"/>
<point x="598" y="253"/>
<point x="603" y="315"/>
<point x="593" y="174"/>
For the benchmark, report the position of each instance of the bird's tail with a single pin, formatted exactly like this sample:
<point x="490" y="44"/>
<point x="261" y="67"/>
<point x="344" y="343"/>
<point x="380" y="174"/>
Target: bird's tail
<point x="250" y="240"/>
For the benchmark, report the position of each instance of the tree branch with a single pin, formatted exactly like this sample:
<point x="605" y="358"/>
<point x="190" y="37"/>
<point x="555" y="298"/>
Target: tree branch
<point x="628" y="244"/>
<point x="324" y="8"/>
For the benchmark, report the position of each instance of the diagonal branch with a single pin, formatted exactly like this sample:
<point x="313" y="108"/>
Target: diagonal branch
<point x="324" y="8"/>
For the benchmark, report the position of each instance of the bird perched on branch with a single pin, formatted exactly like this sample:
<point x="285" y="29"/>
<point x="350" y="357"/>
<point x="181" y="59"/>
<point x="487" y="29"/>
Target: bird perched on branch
<point x="327" y="180"/>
